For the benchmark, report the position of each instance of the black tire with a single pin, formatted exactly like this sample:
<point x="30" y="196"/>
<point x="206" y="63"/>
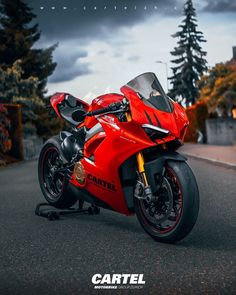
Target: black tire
<point x="55" y="190"/>
<point x="184" y="188"/>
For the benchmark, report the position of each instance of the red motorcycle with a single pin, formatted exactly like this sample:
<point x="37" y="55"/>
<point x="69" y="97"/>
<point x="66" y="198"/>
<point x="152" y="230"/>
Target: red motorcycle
<point x="120" y="154"/>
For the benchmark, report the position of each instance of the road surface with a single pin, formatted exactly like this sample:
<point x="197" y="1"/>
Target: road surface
<point x="60" y="257"/>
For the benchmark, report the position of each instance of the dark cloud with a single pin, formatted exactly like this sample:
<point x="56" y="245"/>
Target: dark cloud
<point x="66" y="20"/>
<point x="220" y="6"/>
<point x="69" y="65"/>
<point x="59" y="23"/>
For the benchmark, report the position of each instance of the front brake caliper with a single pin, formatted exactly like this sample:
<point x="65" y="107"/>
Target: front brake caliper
<point x="143" y="192"/>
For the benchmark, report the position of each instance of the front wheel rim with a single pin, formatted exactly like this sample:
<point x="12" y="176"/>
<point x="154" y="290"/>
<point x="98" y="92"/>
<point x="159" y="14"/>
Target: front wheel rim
<point x="157" y="220"/>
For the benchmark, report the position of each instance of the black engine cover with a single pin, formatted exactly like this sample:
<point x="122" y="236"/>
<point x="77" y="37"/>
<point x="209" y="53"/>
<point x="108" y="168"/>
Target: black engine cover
<point x="70" y="145"/>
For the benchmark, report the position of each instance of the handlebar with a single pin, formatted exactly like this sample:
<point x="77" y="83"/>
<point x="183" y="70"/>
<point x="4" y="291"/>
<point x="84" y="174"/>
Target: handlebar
<point x="111" y="108"/>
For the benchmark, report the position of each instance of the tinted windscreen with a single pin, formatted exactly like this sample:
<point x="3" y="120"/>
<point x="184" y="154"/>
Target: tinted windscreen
<point x="151" y="92"/>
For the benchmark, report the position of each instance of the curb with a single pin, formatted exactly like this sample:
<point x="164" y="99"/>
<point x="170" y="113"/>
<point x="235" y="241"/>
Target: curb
<point x="212" y="161"/>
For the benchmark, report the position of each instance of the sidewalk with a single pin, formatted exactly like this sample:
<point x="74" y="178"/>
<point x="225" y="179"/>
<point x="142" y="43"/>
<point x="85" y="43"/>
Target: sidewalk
<point x="219" y="155"/>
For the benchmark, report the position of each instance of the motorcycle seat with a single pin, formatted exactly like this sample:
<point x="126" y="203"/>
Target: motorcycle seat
<point x="72" y="110"/>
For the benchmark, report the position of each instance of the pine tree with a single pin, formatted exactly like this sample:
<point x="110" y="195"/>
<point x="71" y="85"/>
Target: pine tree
<point x="15" y="89"/>
<point x="189" y="58"/>
<point x="18" y="35"/>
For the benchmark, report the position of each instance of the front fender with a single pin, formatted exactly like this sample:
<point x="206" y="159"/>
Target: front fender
<point x="154" y="170"/>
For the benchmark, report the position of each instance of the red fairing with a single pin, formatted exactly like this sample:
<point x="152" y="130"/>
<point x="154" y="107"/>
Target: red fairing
<point x="181" y="120"/>
<point x="55" y="100"/>
<point x="120" y="153"/>
<point x="116" y="141"/>
<point x="58" y="98"/>
<point x="101" y="102"/>
<point x="121" y="140"/>
<point x="174" y="121"/>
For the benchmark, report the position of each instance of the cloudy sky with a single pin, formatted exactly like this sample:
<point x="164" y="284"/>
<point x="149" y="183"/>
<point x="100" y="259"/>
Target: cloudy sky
<point x="103" y="44"/>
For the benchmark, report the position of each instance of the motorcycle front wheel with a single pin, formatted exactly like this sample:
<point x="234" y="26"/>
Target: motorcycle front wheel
<point x="171" y="215"/>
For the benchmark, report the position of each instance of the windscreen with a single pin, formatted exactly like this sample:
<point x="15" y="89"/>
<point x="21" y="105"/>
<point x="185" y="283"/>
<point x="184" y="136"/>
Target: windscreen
<point x="151" y="92"/>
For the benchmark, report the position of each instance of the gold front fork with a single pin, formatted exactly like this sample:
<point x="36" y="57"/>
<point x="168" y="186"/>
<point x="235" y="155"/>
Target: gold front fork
<point x="140" y="159"/>
<point x="141" y="170"/>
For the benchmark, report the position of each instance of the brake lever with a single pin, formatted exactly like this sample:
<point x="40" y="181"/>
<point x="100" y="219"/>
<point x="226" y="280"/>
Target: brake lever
<point x="111" y="112"/>
<point x="115" y="107"/>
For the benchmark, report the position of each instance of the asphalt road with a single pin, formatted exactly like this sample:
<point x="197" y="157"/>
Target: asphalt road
<point x="60" y="257"/>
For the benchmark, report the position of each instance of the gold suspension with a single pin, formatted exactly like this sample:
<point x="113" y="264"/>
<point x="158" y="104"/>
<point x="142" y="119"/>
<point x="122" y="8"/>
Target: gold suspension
<point x="140" y="159"/>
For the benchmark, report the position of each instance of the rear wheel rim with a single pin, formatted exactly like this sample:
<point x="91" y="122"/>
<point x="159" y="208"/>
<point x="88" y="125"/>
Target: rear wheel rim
<point x="163" y="215"/>
<point x="52" y="179"/>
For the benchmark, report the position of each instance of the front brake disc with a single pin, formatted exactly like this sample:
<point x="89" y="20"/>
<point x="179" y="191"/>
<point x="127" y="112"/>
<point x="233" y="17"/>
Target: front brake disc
<point x="153" y="211"/>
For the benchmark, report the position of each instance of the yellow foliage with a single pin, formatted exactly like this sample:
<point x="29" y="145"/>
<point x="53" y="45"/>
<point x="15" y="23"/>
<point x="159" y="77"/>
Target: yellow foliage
<point x="214" y="86"/>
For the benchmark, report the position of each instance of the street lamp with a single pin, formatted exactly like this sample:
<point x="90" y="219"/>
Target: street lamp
<point x="166" y="65"/>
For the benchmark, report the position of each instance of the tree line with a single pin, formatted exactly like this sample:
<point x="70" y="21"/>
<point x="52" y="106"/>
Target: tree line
<point x="24" y="69"/>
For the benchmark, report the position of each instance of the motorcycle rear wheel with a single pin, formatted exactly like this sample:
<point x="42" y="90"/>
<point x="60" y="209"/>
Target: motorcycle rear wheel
<point x="173" y="214"/>
<point x="54" y="185"/>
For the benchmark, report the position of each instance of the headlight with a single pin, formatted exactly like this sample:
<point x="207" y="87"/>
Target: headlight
<point x="155" y="132"/>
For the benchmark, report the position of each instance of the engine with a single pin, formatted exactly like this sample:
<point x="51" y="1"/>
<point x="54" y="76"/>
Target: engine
<point x="72" y="145"/>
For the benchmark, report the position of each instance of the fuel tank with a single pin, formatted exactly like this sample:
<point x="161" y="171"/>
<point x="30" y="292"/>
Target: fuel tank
<point x="101" y="102"/>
